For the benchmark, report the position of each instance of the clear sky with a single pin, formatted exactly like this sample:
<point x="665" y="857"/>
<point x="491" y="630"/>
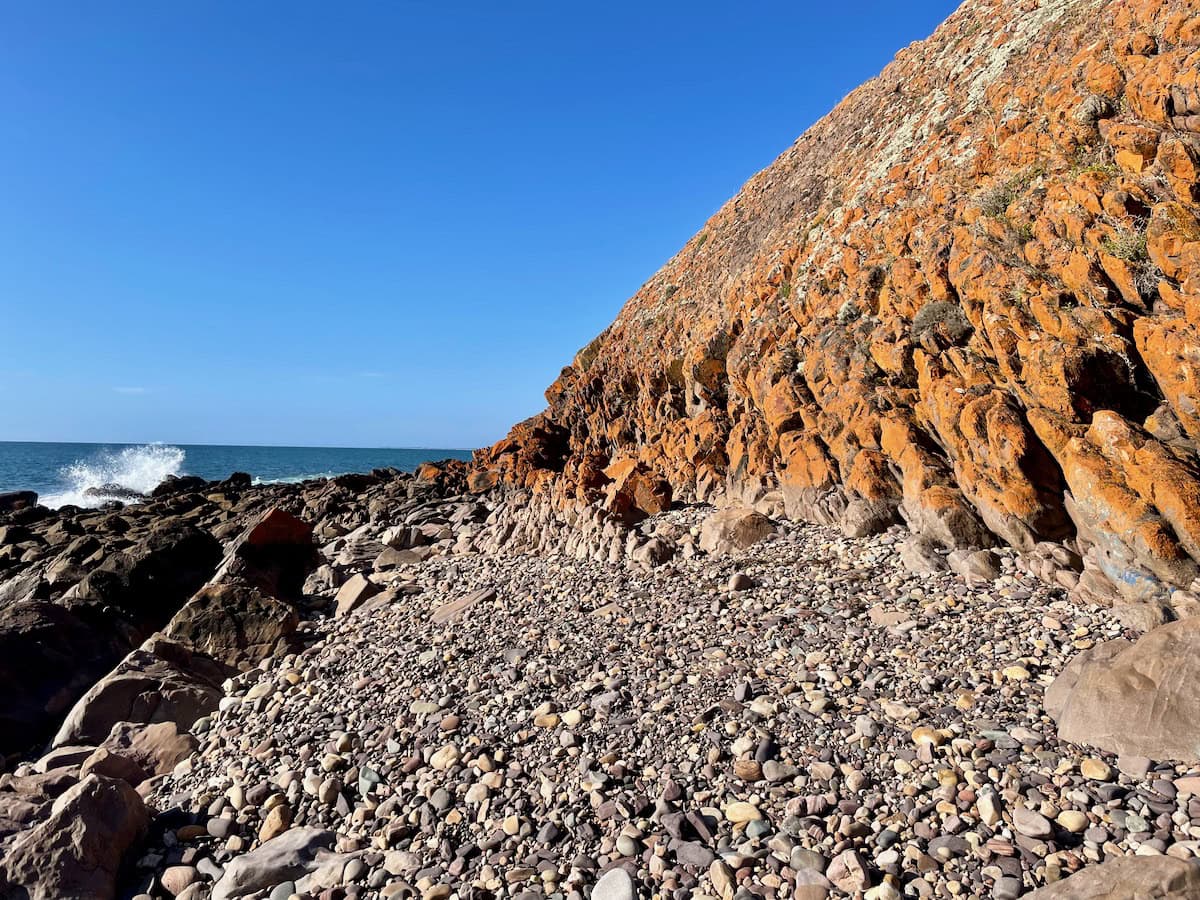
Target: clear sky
<point x="369" y="223"/>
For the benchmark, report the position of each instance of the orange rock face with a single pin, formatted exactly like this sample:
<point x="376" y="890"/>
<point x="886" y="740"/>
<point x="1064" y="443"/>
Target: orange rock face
<point x="968" y="299"/>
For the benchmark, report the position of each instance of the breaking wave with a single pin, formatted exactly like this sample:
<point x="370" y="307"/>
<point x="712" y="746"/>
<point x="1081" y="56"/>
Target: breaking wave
<point x="296" y="479"/>
<point x="90" y="482"/>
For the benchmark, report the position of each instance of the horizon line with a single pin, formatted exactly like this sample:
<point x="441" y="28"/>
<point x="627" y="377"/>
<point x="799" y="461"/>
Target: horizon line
<point x="264" y="446"/>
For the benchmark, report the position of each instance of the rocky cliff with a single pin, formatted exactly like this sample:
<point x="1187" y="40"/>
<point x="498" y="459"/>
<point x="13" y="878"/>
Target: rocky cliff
<point x="967" y="299"/>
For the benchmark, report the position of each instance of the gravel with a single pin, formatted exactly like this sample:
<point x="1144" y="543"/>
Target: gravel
<point x="805" y="718"/>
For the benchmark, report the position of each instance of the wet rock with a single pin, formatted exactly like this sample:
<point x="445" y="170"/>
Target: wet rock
<point x="11" y="501"/>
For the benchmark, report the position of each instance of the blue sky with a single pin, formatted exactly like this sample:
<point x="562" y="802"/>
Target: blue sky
<point x="369" y="223"/>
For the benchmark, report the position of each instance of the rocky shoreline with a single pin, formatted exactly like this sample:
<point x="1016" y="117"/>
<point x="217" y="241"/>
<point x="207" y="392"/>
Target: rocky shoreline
<point x="389" y="686"/>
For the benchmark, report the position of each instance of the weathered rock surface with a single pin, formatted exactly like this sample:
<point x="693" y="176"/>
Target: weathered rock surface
<point x="1136" y="878"/>
<point x="233" y="623"/>
<point x="161" y="681"/>
<point x="730" y="530"/>
<point x="77" y="851"/>
<point x="969" y="297"/>
<point x="1137" y="699"/>
<point x="137" y="752"/>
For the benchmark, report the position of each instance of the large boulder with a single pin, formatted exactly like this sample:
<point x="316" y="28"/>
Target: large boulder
<point x="1134" y="698"/>
<point x="233" y="623"/>
<point x="178" y="484"/>
<point x="161" y="681"/>
<point x="275" y="553"/>
<point x="76" y="852"/>
<point x="153" y="578"/>
<point x="50" y="653"/>
<point x="635" y="492"/>
<point x="1129" y="878"/>
<point x="48" y="658"/>
<point x="288" y="857"/>
<point x="11" y="501"/>
<point x="733" y="529"/>
<point x="137" y="752"/>
<point x="357" y="590"/>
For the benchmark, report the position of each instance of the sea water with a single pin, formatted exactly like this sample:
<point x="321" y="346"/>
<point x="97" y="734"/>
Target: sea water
<point x="62" y="473"/>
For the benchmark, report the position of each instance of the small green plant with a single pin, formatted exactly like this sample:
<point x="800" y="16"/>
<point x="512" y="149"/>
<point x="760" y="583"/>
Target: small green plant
<point x="942" y="315"/>
<point x="996" y="200"/>
<point x="1103" y="169"/>
<point x="1128" y="242"/>
<point x="1023" y="233"/>
<point x="700" y="240"/>
<point x="1094" y="161"/>
<point x="785" y="290"/>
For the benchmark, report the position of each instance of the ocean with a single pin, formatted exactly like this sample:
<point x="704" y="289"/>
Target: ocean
<point x="62" y="473"/>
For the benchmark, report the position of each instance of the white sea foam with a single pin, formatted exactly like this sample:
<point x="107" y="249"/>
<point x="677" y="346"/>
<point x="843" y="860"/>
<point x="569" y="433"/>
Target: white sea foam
<point x="296" y="479"/>
<point x="139" y="469"/>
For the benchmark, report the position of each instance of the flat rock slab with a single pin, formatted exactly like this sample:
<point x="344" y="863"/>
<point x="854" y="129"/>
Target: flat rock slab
<point x="291" y="855"/>
<point x="455" y="608"/>
<point x="1132" y="877"/>
<point x="354" y="593"/>
<point x="1136" y="699"/>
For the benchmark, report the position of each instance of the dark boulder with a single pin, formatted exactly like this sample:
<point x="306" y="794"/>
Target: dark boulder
<point x="355" y="482"/>
<point x="238" y="481"/>
<point x="51" y="653"/>
<point x="15" y="500"/>
<point x="113" y="491"/>
<point x="48" y="657"/>
<point x="152" y="579"/>
<point x="179" y="484"/>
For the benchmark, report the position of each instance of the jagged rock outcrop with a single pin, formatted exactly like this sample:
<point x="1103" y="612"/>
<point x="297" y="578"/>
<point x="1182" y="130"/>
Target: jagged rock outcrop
<point x="968" y="299"/>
